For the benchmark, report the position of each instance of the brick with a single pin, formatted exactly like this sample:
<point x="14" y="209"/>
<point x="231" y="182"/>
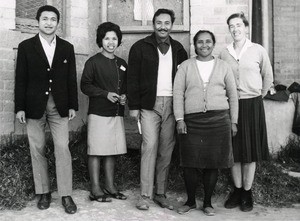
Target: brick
<point x="79" y="3"/>
<point x="7" y="75"/>
<point x="78" y="12"/>
<point x="221" y="29"/>
<point x="6" y="53"/>
<point x="7" y="96"/>
<point x="220" y="10"/>
<point x="7" y="128"/>
<point x="9" y="85"/>
<point x="195" y="2"/>
<point x="287" y="9"/>
<point x="9" y="65"/>
<point x="6" y="117"/>
<point x="7" y="13"/>
<point x="80" y="23"/>
<point x="280" y="3"/>
<point x="1" y="106"/>
<point x="8" y="106"/>
<point x="1" y="84"/>
<point x="237" y="2"/>
<point x="214" y="20"/>
<point x="7" y="23"/>
<point x="79" y="32"/>
<point x="8" y="4"/>
<point x="201" y="12"/>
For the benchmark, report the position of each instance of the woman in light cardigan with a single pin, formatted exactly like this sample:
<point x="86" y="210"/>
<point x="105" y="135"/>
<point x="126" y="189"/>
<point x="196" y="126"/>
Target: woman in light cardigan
<point x="253" y="72"/>
<point x="206" y="111"/>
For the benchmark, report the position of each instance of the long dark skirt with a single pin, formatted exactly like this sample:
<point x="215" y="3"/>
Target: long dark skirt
<point x="208" y="142"/>
<point x="251" y="143"/>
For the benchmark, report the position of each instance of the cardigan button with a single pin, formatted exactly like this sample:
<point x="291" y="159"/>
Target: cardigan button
<point x="48" y="69"/>
<point x="46" y="92"/>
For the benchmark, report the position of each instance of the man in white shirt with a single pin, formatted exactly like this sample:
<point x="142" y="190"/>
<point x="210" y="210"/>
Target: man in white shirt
<point x="152" y="66"/>
<point x="46" y="92"/>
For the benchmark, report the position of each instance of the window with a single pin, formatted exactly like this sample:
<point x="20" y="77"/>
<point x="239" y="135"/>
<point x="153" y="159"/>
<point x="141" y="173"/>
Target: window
<point x="136" y="15"/>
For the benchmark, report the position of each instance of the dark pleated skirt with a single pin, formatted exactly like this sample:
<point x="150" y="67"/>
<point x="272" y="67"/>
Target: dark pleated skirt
<point x="208" y="142"/>
<point x="251" y="143"/>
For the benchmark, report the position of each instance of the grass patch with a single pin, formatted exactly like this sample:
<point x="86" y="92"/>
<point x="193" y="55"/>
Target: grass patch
<point x="271" y="186"/>
<point x="289" y="156"/>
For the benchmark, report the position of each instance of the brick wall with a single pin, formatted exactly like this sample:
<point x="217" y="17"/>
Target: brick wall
<point x="286" y="41"/>
<point x="75" y="30"/>
<point x="212" y="15"/>
<point x="7" y="17"/>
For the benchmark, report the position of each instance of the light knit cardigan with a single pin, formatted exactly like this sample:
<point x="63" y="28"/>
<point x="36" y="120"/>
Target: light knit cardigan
<point x="253" y="72"/>
<point x="190" y="96"/>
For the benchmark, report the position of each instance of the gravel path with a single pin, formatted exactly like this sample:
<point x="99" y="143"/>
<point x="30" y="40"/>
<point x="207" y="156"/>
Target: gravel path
<point x="126" y="211"/>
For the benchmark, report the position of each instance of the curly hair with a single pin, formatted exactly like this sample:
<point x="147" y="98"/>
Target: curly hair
<point x="106" y="27"/>
<point x="48" y="8"/>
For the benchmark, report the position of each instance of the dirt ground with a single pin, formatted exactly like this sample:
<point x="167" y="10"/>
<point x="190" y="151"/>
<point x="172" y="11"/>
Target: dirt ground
<point x="126" y="211"/>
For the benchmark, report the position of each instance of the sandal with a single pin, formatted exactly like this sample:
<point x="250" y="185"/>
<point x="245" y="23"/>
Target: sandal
<point x="116" y="195"/>
<point x="101" y="198"/>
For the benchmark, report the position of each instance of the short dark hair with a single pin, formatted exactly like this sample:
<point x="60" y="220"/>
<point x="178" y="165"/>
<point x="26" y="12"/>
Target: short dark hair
<point x="238" y="15"/>
<point x="201" y="32"/>
<point x="164" y="11"/>
<point x="106" y="27"/>
<point x="48" y="8"/>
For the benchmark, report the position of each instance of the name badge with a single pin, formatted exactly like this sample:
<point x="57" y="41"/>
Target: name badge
<point x="123" y="68"/>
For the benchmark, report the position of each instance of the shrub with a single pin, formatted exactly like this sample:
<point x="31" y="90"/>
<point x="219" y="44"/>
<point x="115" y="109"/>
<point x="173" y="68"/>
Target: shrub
<point x="271" y="186"/>
<point x="16" y="181"/>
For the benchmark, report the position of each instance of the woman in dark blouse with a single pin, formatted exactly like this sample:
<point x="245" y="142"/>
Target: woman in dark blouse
<point x="104" y="82"/>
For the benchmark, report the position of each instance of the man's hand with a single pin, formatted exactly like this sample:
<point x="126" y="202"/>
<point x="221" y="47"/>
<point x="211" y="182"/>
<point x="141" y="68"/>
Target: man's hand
<point x="113" y="97"/>
<point x="21" y="117"/>
<point x="181" y="127"/>
<point x="72" y="114"/>
<point x="135" y="114"/>
<point x="234" y="129"/>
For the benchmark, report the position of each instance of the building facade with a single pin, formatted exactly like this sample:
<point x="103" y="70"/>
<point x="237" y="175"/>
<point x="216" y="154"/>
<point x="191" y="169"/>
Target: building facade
<point x="280" y="33"/>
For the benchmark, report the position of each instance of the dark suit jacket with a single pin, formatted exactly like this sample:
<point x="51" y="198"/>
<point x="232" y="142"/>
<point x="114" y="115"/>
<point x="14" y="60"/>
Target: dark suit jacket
<point x="34" y="77"/>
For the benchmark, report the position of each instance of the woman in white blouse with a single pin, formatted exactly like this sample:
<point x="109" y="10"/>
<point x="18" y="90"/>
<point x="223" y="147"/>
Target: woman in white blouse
<point x="206" y="110"/>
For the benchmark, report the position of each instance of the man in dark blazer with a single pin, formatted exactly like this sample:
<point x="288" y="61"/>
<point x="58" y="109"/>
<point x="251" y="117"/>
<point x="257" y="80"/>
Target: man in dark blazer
<point x="152" y="65"/>
<point x="46" y="92"/>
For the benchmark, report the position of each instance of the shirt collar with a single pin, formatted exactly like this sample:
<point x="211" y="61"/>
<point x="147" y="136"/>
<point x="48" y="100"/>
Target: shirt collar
<point x="44" y="41"/>
<point x="231" y="50"/>
<point x="159" y="41"/>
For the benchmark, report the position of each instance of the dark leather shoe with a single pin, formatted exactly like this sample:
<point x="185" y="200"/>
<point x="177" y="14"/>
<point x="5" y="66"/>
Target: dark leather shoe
<point x="247" y="201"/>
<point x="234" y="199"/>
<point x="294" y="87"/>
<point x="44" y="201"/>
<point x="280" y="87"/>
<point x="68" y="203"/>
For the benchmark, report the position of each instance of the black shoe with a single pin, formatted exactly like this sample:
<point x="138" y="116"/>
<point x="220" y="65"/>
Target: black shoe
<point x="280" y="87"/>
<point x="44" y="201"/>
<point x="234" y="199"/>
<point x="247" y="201"/>
<point x="68" y="203"/>
<point x="294" y="87"/>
